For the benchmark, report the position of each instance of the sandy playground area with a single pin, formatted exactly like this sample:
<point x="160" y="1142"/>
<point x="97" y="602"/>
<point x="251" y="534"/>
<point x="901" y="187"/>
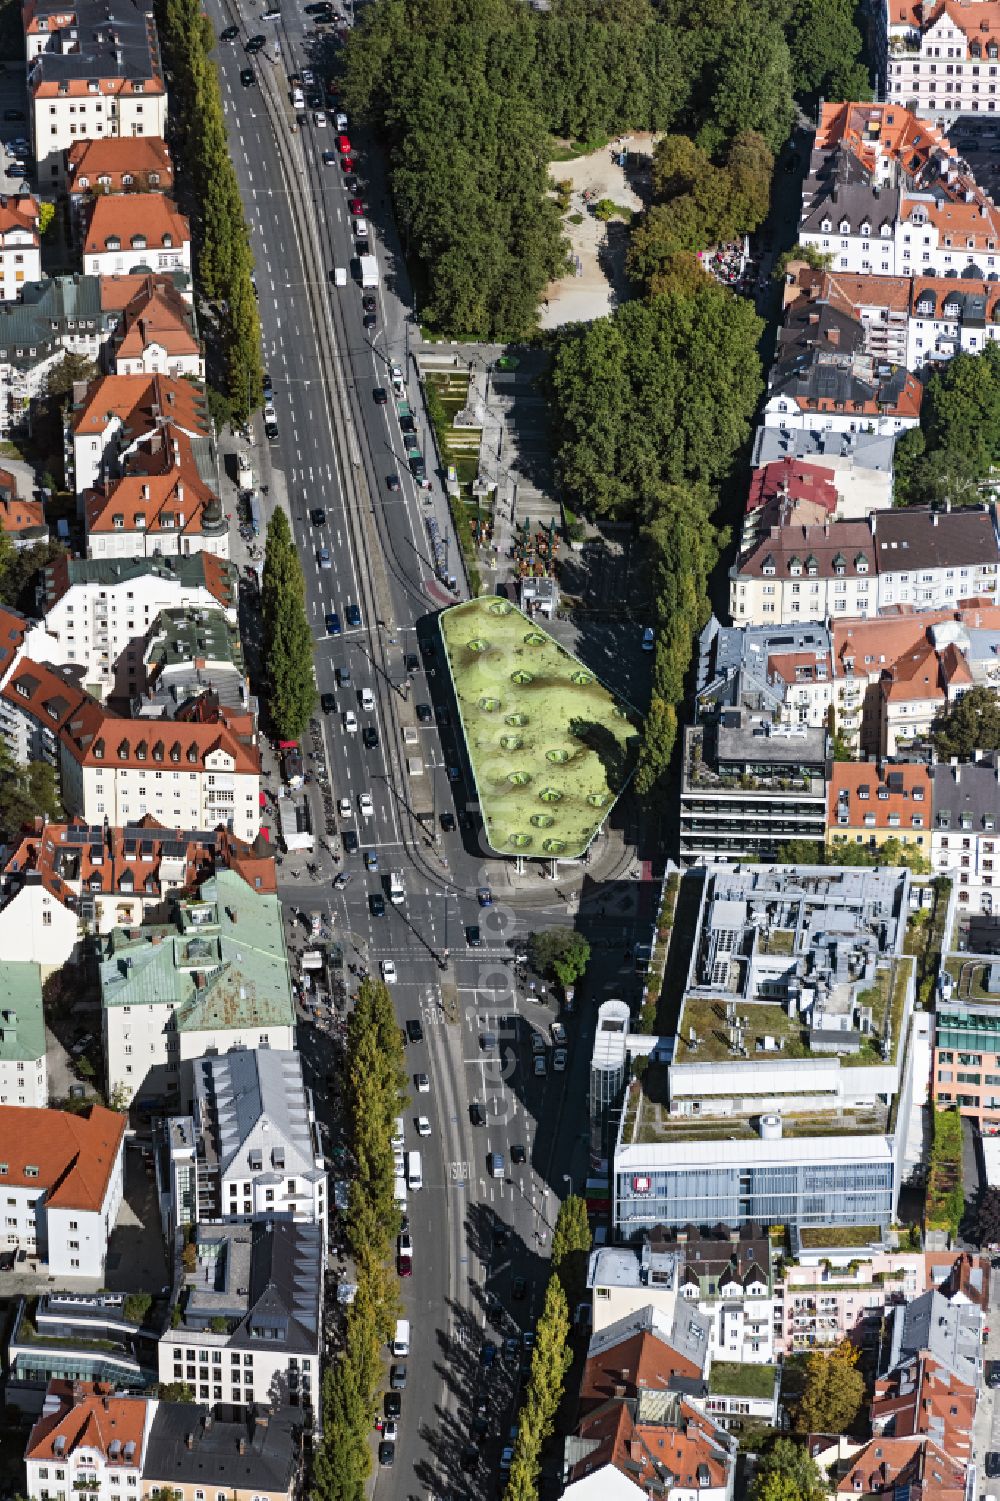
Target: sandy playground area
<point x="598" y="249"/>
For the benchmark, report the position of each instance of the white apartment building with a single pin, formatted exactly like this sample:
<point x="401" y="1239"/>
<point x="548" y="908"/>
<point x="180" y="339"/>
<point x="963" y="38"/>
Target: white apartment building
<point x="212" y="979"/>
<point x="62" y="1179"/>
<point x="88" y="1441"/>
<point x="37" y="928"/>
<point x="931" y="560"/>
<point x="965" y="843"/>
<point x="250" y="1148"/>
<point x="23" y="1071"/>
<point x="722" y="1277"/>
<point x="946" y="66"/>
<point x="98" y="613"/>
<point x="20" y="244"/>
<point x="93" y="70"/>
<point x="805" y="573"/>
<point x="132" y="233"/>
<point x="250" y="1317"/>
<point x="117" y="414"/>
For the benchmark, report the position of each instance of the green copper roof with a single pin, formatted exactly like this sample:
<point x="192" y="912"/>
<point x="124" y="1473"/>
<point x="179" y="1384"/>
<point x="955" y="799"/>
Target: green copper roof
<point x="221" y="963"/>
<point x="22" y="1020"/>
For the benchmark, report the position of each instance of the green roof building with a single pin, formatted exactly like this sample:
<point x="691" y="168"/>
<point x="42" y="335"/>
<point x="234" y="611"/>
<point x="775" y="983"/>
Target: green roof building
<point x="23" y="1076"/>
<point x="213" y="978"/>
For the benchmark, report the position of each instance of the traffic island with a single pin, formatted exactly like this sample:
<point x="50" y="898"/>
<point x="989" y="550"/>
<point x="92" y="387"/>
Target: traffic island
<point x="550" y="746"/>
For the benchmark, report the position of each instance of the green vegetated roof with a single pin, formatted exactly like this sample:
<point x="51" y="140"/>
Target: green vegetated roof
<point x="729" y="1378"/>
<point x="551" y="747"/>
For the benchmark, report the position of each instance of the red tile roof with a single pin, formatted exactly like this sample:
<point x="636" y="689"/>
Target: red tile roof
<point x="94" y="737"/>
<point x="872" y="130"/>
<point x="72" y="1157"/>
<point x="162" y="492"/>
<point x="885" y="1466"/>
<point x="119" y="157"/>
<point x="791" y="479"/>
<point x="140" y="403"/>
<point x="90" y="1416"/>
<point x="18" y="215"/>
<point x="644" y="1451"/>
<point x="17" y="516"/>
<point x="135" y="220"/>
<point x="923" y="1397"/>
<point x="784" y="547"/>
<point x="131" y="860"/>
<point x="640" y="1362"/>
<point x="157" y="315"/>
<point x="851" y="778"/>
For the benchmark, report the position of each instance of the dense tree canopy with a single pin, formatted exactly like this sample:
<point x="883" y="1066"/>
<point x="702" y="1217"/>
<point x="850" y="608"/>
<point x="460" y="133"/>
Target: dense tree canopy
<point x="971" y="725"/>
<point x="958" y="441"/>
<point x="288" y="646"/>
<point x="833" y="1392"/>
<point x="786" y="1473"/>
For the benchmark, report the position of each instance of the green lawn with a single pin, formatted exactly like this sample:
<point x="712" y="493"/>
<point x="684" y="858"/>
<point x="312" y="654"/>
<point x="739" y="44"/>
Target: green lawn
<point x="817" y="1237"/>
<point x="550" y="746"/>
<point x="730" y="1378"/>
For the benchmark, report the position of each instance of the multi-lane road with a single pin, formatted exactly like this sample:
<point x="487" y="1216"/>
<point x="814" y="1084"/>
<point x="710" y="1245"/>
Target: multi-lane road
<point x="474" y="1234"/>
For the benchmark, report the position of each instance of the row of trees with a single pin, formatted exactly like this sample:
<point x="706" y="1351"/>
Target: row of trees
<point x="470" y="94"/>
<point x="891" y="852"/>
<point x="551" y="1357"/>
<point x="971" y="725"/>
<point x="958" y="441"/>
<point x="224" y="262"/>
<point x="373" y="1095"/>
<point x="287" y="639"/>
<point x="651" y="405"/>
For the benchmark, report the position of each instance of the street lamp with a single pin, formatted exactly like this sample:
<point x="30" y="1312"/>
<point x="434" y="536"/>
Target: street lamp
<point x="568" y="1180"/>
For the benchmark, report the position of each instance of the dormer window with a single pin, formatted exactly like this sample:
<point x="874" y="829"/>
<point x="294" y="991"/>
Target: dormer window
<point x="168" y="241"/>
<point x="113" y="242"/>
<point x="845" y="226"/>
<point x="861" y="563"/>
<point x="866" y="228"/>
<point x="951" y="309"/>
<point x="138" y="242"/>
<point x="123" y="750"/>
<point x="127" y="179"/>
<point x="118" y="522"/>
<point x="886" y="231"/>
<point x="826" y="226"/>
<point x="840" y="565"/>
<point x="991" y="51"/>
<point x="795" y="568"/>
<point x="139" y="521"/>
<point x="812" y="567"/>
<point x="925" y="307"/>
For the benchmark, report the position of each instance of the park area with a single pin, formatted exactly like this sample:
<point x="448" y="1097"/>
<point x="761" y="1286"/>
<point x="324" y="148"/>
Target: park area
<point x="550" y="747"/>
<point x="597" y="282"/>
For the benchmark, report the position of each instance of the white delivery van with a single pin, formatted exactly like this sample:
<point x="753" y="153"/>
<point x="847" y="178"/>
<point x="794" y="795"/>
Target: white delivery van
<point x="401" y="1339"/>
<point x="360" y="229"/>
<point x="340" y="276"/>
<point x="399" y="1193"/>
<point x="298" y="98"/>
<point x="398" y="1138"/>
<point x="414" y="1171"/>
<point x="396" y="892"/>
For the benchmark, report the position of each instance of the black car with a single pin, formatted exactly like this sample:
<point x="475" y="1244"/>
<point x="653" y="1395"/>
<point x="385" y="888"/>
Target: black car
<point x="350" y="841"/>
<point x="376" y="904"/>
<point x="414" y="1030"/>
<point x="477" y="1114"/>
<point x="248" y="77"/>
<point x="352" y="615"/>
<point x="314" y="100"/>
<point x="517" y="1153"/>
<point x="469" y="1457"/>
<point x="992" y="1464"/>
<point x="369" y="736"/>
<point x="267" y="386"/>
<point x="343" y="676"/>
<point x="501" y="1235"/>
<point x="318" y="516"/>
<point x="368" y="302"/>
<point x="351" y="182"/>
<point x="448" y="822"/>
<point x="397" y="1377"/>
<point x="393" y="1404"/>
<point x="411" y="662"/>
<point x="270" y="428"/>
<point x="472" y="935"/>
<point x="328" y="703"/>
<point x="443" y="716"/>
<point x="425" y="713"/>
<point x="386" y="1454"/>
<point x="392" y="482"/>
<point x="380" y="396"/>
<point x="230" y="34"/>
<point x="256" y="44"/>
<point x="519" y="1289"/>
<point x="369" y="320"/>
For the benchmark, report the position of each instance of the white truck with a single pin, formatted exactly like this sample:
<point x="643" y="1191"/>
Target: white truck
<point x="397" y="894"/>
<point x="340" y="276"/>
<point x="369" y="270"/>
<point x="244" y="471"/>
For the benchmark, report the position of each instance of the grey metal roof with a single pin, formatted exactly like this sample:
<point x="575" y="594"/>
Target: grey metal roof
<point x="951" y="1332"/>
<point x="256" y="1101"/>
<point x="43" y="314"/>
<point x="115" y="40"/>
<point x="917" y="538"/>
<point x="866" y="450"/>
<point x="973" y="788"/>
<point x="266" y="1462"/>
<point x="265" y="1279"/>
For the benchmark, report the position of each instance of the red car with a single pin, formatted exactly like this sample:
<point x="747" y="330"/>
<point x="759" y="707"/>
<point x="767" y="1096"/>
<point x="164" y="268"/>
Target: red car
<point x="344" y="145"/>
<point x="356" y="206"/>
<point x="348" y="163"/>
<point x="404" y="1266"/>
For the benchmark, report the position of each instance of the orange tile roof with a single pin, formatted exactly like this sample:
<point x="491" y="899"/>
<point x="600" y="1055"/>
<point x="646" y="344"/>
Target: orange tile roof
<point x="89" y="1416"/>
<point x="131" y="860"/>
<point x="652" y="1363"/>
<point x="849" y="779"/>
<point x="885" y="1466"/>
<point x="139" y="402"/>
<point x="50" y="694"/>
<point x="151" y="218"/>
<point x="978" y="222"/>
<point x="914" y="675"/>
<point x="18" y="516"/>
<point x="117" y="157"/>
<point x="869" y="130"/>
<point x="874" y="645"/>
<point x="13" y="629"/>
<point x="922" y="1396"/>
<point x="642" y="1450"/>
<point x="74" y="1155"/>
<point x="93" y="737"/>
<point x="156" y="316"/>
<point x="163" y="490"/>
<point x="19" y="215"/>
<point x="118" y="291"/>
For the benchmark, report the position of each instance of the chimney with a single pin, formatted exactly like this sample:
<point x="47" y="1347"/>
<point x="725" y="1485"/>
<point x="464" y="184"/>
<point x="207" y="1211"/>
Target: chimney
<point x="189" y="1441"/>
<point x="934" y="518"/>
<point x="208" y="1420"/>
<point x="826" y="528"/>
<point x="242" y="1444"/>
